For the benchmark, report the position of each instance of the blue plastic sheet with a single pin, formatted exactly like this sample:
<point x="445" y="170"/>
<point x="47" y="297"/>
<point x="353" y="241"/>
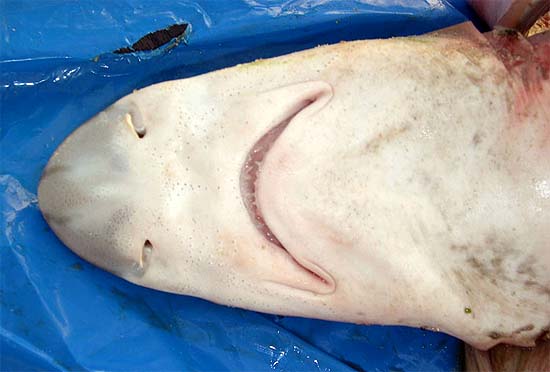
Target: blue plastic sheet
<point x="57" y="69"/>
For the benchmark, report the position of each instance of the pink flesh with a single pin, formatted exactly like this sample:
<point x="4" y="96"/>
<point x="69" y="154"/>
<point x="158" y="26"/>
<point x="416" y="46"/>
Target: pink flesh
<point x="527" y="58"/>
<point x="529" y="61"/>
<point x="516" y="14"/>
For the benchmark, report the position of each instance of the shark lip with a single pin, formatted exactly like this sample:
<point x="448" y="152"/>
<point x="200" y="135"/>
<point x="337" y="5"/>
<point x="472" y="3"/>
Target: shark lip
<point x="252" y="167"/>
<point x="249" y="177"/>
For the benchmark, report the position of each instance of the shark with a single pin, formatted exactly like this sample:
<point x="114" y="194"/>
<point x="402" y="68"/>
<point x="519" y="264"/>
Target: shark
<point x="398" y="181"/>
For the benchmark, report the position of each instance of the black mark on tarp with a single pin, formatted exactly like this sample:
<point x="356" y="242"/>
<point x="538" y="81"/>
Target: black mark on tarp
<point x="155" y="39"/>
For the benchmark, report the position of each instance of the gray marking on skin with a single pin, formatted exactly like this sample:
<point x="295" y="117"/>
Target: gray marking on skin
<point x="496" y="335"/>
<point x="526" y="267"/>
<point x="528" y="327"/>
<point x="53" y="170"/>
<point x="477" y="139"/>
<point x="485" y="272"/>
<point x="458" y="247"/>
<point x="488" y="259"/>
<point x="534" y="285"/>
<point x="56" y="219"/>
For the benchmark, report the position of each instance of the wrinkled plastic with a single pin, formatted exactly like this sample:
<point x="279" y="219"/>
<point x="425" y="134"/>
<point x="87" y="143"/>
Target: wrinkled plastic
<point x="57" y="70"/>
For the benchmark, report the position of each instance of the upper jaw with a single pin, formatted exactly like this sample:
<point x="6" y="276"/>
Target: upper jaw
<point x="251" y="169"/>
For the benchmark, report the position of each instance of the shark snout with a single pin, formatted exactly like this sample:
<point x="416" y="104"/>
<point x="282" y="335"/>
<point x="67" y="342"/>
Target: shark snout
<point x="88" y="192"/>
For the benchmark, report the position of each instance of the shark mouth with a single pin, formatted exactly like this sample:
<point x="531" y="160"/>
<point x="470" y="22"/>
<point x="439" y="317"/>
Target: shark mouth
<point x="248" y="182"/>
<point x="249" y="178"/>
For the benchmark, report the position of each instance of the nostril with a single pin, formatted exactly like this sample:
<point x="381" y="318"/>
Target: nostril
<point x="140" y="130"/>
<point x="141" y="267"/>
<point x="146" y="253"/>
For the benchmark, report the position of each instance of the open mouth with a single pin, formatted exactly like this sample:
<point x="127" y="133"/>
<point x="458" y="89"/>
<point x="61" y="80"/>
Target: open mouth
<point x="249" y="178"/>
<point x="248" y="182"/>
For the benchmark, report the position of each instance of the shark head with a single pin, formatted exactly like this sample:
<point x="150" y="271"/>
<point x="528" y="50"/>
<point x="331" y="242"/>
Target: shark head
<point x="348" y="182"/>
<point x="161" y="191"/>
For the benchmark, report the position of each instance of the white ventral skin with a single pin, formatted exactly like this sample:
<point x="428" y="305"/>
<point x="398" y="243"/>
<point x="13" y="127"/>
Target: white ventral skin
<point x="410" y="186"/>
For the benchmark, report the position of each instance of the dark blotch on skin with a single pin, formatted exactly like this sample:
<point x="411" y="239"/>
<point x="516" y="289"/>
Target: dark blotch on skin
<point x="545" y="291"/>
<point x="496" y="262"/>
<point x="477" y="139"/>
<point x="531" y="284"/>
<point x="526" y="268"/>
<point x="490" y="265"/>
<point x="528" y="327"/>
<point x="497" y="335"/>
<point x="477" y="265"/>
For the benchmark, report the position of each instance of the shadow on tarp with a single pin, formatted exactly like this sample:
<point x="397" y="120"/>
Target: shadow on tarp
<point x="57" y="69"/>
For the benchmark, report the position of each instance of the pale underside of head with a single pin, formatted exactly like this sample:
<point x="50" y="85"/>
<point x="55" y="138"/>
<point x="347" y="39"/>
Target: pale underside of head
<point x="380" y="181"/>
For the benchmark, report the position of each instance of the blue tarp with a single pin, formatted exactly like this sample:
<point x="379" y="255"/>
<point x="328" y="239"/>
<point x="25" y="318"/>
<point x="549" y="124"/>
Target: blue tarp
<point x="57" y="69"/>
